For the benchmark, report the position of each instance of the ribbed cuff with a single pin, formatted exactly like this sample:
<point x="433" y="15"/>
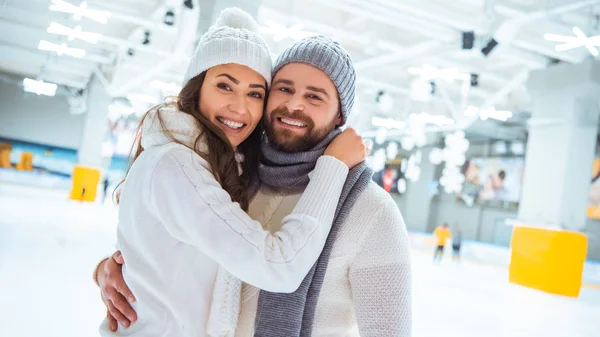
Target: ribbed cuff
<point x="321" y="196"/>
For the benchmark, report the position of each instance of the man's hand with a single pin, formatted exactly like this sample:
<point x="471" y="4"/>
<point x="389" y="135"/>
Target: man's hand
<point x="115" y="294"/>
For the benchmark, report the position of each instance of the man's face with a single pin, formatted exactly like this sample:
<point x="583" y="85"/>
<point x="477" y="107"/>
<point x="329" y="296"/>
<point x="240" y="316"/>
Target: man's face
<point x="302" y="109"/>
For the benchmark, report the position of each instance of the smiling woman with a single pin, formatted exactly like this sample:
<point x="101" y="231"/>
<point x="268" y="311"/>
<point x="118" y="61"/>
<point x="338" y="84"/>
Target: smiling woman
<point x="233" y="99"/>
<point x="182" y="206"/>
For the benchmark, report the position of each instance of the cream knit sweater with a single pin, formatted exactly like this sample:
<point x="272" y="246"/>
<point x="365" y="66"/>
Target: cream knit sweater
<point x="367" y="288"/>
<point x="181" y="236"/>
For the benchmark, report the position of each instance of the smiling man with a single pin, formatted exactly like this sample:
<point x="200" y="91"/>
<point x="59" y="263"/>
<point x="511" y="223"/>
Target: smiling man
<point x="361" y="284"/>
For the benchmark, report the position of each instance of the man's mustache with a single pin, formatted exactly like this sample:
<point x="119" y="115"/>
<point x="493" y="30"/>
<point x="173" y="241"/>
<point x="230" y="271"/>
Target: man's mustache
<point x="297" y="115"/>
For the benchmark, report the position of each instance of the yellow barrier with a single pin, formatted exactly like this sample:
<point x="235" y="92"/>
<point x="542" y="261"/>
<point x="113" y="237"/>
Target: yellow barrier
<point x="26" y="163"/>
<point x="548" y="260"/>
<point x="5" y="149"/>
<point x="85" y="183"/>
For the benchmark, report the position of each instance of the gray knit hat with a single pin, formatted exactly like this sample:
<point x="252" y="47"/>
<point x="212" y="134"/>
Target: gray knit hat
<point x="329" y="56"/>
<point x="234" y="38"/>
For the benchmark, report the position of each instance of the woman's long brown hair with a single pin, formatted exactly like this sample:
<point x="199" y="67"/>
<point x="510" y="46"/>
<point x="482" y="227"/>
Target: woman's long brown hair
<point x="220" y="154"/>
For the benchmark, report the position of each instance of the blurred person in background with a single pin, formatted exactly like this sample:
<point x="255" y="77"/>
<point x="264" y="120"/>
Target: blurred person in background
<point x="361" y="284"/>
<point x="441" y="234"/>
<point x="105" y="184"/>
<point x="183" y="232"/>
<point x="456" y="243"/>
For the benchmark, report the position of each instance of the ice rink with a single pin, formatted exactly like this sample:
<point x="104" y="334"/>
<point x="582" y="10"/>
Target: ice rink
<point x="49" y="247"/>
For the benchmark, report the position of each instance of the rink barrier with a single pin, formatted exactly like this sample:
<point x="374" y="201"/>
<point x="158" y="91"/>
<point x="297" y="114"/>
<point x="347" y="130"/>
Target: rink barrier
<point x="548" y="260"/>
<point x="491" y="254"/>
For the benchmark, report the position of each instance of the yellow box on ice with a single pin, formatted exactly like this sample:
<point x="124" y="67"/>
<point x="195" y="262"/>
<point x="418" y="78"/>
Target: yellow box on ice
<point x="85" y="183"/>
<point x="548" y="260"/>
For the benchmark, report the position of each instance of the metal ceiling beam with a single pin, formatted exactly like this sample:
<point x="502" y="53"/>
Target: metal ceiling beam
<point x="513" y="84"/>
<point x="426" y="28"/>
<point x="131" y="19"/>
<point x="21" y="15"/>
<point x="187" y="33"/>
<point x="544" y="13"/>
<point x="337" y="33"/>
<point x="400" y="57"/>
<point x="397" y="20"/>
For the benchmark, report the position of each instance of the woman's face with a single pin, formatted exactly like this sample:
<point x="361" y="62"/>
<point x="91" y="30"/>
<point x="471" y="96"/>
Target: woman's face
<point x="232" y="97"/>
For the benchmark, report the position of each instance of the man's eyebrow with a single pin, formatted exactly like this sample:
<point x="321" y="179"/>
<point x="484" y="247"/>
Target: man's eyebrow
<point x="284" y="81"/>
<point x="315" y="89"/>
<point x="231" y="78"/>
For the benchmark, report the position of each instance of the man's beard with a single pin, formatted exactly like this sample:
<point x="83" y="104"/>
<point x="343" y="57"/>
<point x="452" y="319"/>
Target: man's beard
<point x="287" y="140"/>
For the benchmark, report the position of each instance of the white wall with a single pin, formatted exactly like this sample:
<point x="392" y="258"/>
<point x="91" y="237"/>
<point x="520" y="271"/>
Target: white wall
<point x="38" y="119"/>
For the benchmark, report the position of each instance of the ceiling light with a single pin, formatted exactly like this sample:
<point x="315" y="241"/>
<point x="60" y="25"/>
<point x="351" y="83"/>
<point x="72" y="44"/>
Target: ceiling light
<point x="425" y="118"/>
<point x="80" y="11"/>
<point x="436" y="156"/>
<point x="280" y="32"/>
<point x="392" y="150"/>
<point x="189" y="4"/>
<point x="468" y="39"/>
<point x="421" y="90"/>
<point x="572" y="42"/>
<point x="429" y="72"/>
<point x="166" y="87"/>
<point x="491" y="45"/>
<point x="61" y="49"/>
<point x="73" y="33"/>
<point x="474" y="80"/>
<point x="501" y="115"/>
<point x="385" y="101"/>
<point x="169" y="19"/>
<point x="517" y="148"/>
<point x="146" y="40"/>
<point x="389" y="123"/>
<point x="491" y="112"/>
<point x="142" y="98"/>
<point x="39" y="87"/>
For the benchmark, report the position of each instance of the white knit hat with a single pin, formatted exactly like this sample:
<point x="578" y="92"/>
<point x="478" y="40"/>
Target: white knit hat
<point x="233" y="39"/>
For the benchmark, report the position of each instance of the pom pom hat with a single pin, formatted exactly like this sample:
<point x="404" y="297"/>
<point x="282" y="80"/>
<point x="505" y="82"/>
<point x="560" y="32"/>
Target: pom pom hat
<point x="234" y="38"/>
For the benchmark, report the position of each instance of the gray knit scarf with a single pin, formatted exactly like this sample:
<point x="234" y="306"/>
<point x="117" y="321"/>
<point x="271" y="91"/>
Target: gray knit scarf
<point x="293" y="314"/>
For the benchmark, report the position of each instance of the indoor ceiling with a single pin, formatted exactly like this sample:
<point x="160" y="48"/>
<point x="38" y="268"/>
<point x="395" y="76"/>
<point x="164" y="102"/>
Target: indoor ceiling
<point x="384" y="37"/>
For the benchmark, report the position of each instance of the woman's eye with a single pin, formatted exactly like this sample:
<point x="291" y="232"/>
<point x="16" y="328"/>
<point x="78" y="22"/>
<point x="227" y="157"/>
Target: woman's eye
<point x="224" y="86"/>
<point x="256" y="95"/>
<point x="284" y="89"/>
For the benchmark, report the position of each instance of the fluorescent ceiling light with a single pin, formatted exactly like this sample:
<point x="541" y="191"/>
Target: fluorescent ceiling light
<point x="429" y="72"/>
<point x="425" y="118"/>
<point x="39" y="87"/>
<point x="491" y="112"/>
<point x="388" y="123"/>
<point x="142" y="98"/>
<point x="61" y="49"/>
<point x="73" y="33"/>
<point x="80" y="11"/>
<point x="280" y="32"/>
<point x="572" y="42"/>
<point x="165" y="87"/>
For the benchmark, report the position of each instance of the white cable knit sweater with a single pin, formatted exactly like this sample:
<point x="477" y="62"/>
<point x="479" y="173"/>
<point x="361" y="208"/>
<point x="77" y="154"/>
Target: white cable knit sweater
<point x="178" y="229"/>
<point x="367" y="288"/>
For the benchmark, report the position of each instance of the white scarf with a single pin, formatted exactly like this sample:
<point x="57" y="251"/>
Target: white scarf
<point x="225" y="302"/>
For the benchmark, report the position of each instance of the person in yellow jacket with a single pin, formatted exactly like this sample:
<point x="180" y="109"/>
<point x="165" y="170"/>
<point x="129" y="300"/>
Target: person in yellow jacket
<point x="442" y="234"/>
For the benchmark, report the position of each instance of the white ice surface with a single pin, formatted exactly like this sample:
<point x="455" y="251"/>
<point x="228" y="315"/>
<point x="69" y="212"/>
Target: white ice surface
<point x="49" y="247"/>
